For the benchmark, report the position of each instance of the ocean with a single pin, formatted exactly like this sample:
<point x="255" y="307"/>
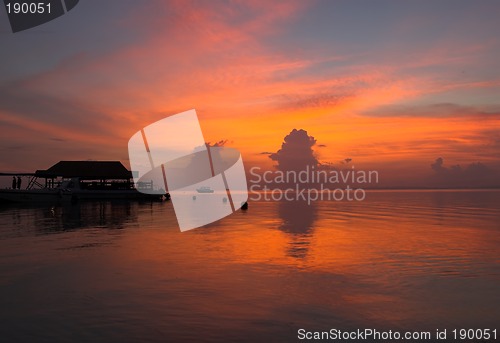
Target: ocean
<point x="402" y="261"/>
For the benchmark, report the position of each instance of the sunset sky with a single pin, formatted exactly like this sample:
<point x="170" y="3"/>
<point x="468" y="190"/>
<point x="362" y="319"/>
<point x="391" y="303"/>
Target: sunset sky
<point x="392" y="85"/>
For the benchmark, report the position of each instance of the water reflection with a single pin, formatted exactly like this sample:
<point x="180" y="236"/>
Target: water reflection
<point x="298" y="221"/>
<point x="47" y="219"/>
<point x="412" y="260"/>
<point x="111" y="215"/>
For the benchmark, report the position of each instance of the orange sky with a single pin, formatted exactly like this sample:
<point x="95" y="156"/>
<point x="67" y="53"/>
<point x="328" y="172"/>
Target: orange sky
<point x="395" y="89"/>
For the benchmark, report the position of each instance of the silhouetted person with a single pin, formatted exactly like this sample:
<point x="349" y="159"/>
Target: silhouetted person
<point x="14" y="182"/>
<point x="19" y="182"/>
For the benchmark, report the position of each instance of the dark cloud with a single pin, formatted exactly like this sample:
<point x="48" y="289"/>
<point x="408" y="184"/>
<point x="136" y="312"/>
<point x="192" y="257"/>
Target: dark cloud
<point x="321" y="145"/>
<point x="16" y="147"/>
<point x="296" y="151"/>
<point x="473" y="175"/>
<point x="437" y="166"/>
<point x="220" y="143"/>
<point x="294" y="101"/>
<point x="266" y="153"/>
<point x="483" y="145"/>
<point x="433" y="110"/>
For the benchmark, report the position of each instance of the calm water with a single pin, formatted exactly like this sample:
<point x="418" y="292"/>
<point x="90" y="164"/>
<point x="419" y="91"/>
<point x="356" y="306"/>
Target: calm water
<point x="122" y="272"/>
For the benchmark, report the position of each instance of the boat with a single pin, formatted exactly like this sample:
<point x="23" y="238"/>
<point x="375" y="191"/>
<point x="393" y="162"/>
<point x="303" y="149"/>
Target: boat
<point x="72" y="181"/>
<point x="204" y="189"/>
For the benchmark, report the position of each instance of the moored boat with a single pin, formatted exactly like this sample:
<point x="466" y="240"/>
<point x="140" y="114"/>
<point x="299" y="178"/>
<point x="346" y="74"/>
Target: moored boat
<point x="204" y="189"/>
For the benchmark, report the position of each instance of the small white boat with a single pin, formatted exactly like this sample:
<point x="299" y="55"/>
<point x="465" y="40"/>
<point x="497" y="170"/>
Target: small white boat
<point x="204" y="189"/>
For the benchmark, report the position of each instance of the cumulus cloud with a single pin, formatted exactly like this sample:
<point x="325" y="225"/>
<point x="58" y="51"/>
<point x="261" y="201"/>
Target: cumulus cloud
<point x="296" y="151"/>
<point x="437" y="166"/>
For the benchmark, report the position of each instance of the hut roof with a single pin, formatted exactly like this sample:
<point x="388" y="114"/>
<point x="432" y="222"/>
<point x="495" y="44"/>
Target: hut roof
<point x="87" y="170"/>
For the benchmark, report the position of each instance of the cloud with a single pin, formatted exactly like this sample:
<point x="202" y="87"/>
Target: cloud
<point x="16" y="147"/>
<point x="439" y="110"/>
<point x="437" y="166"/>
<point x="305" y="101"/>
<point x="296" y="152"/>
<point x="53" y="116"/>
<point x="472" y="175"/>
<point x="219" y="143"/>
